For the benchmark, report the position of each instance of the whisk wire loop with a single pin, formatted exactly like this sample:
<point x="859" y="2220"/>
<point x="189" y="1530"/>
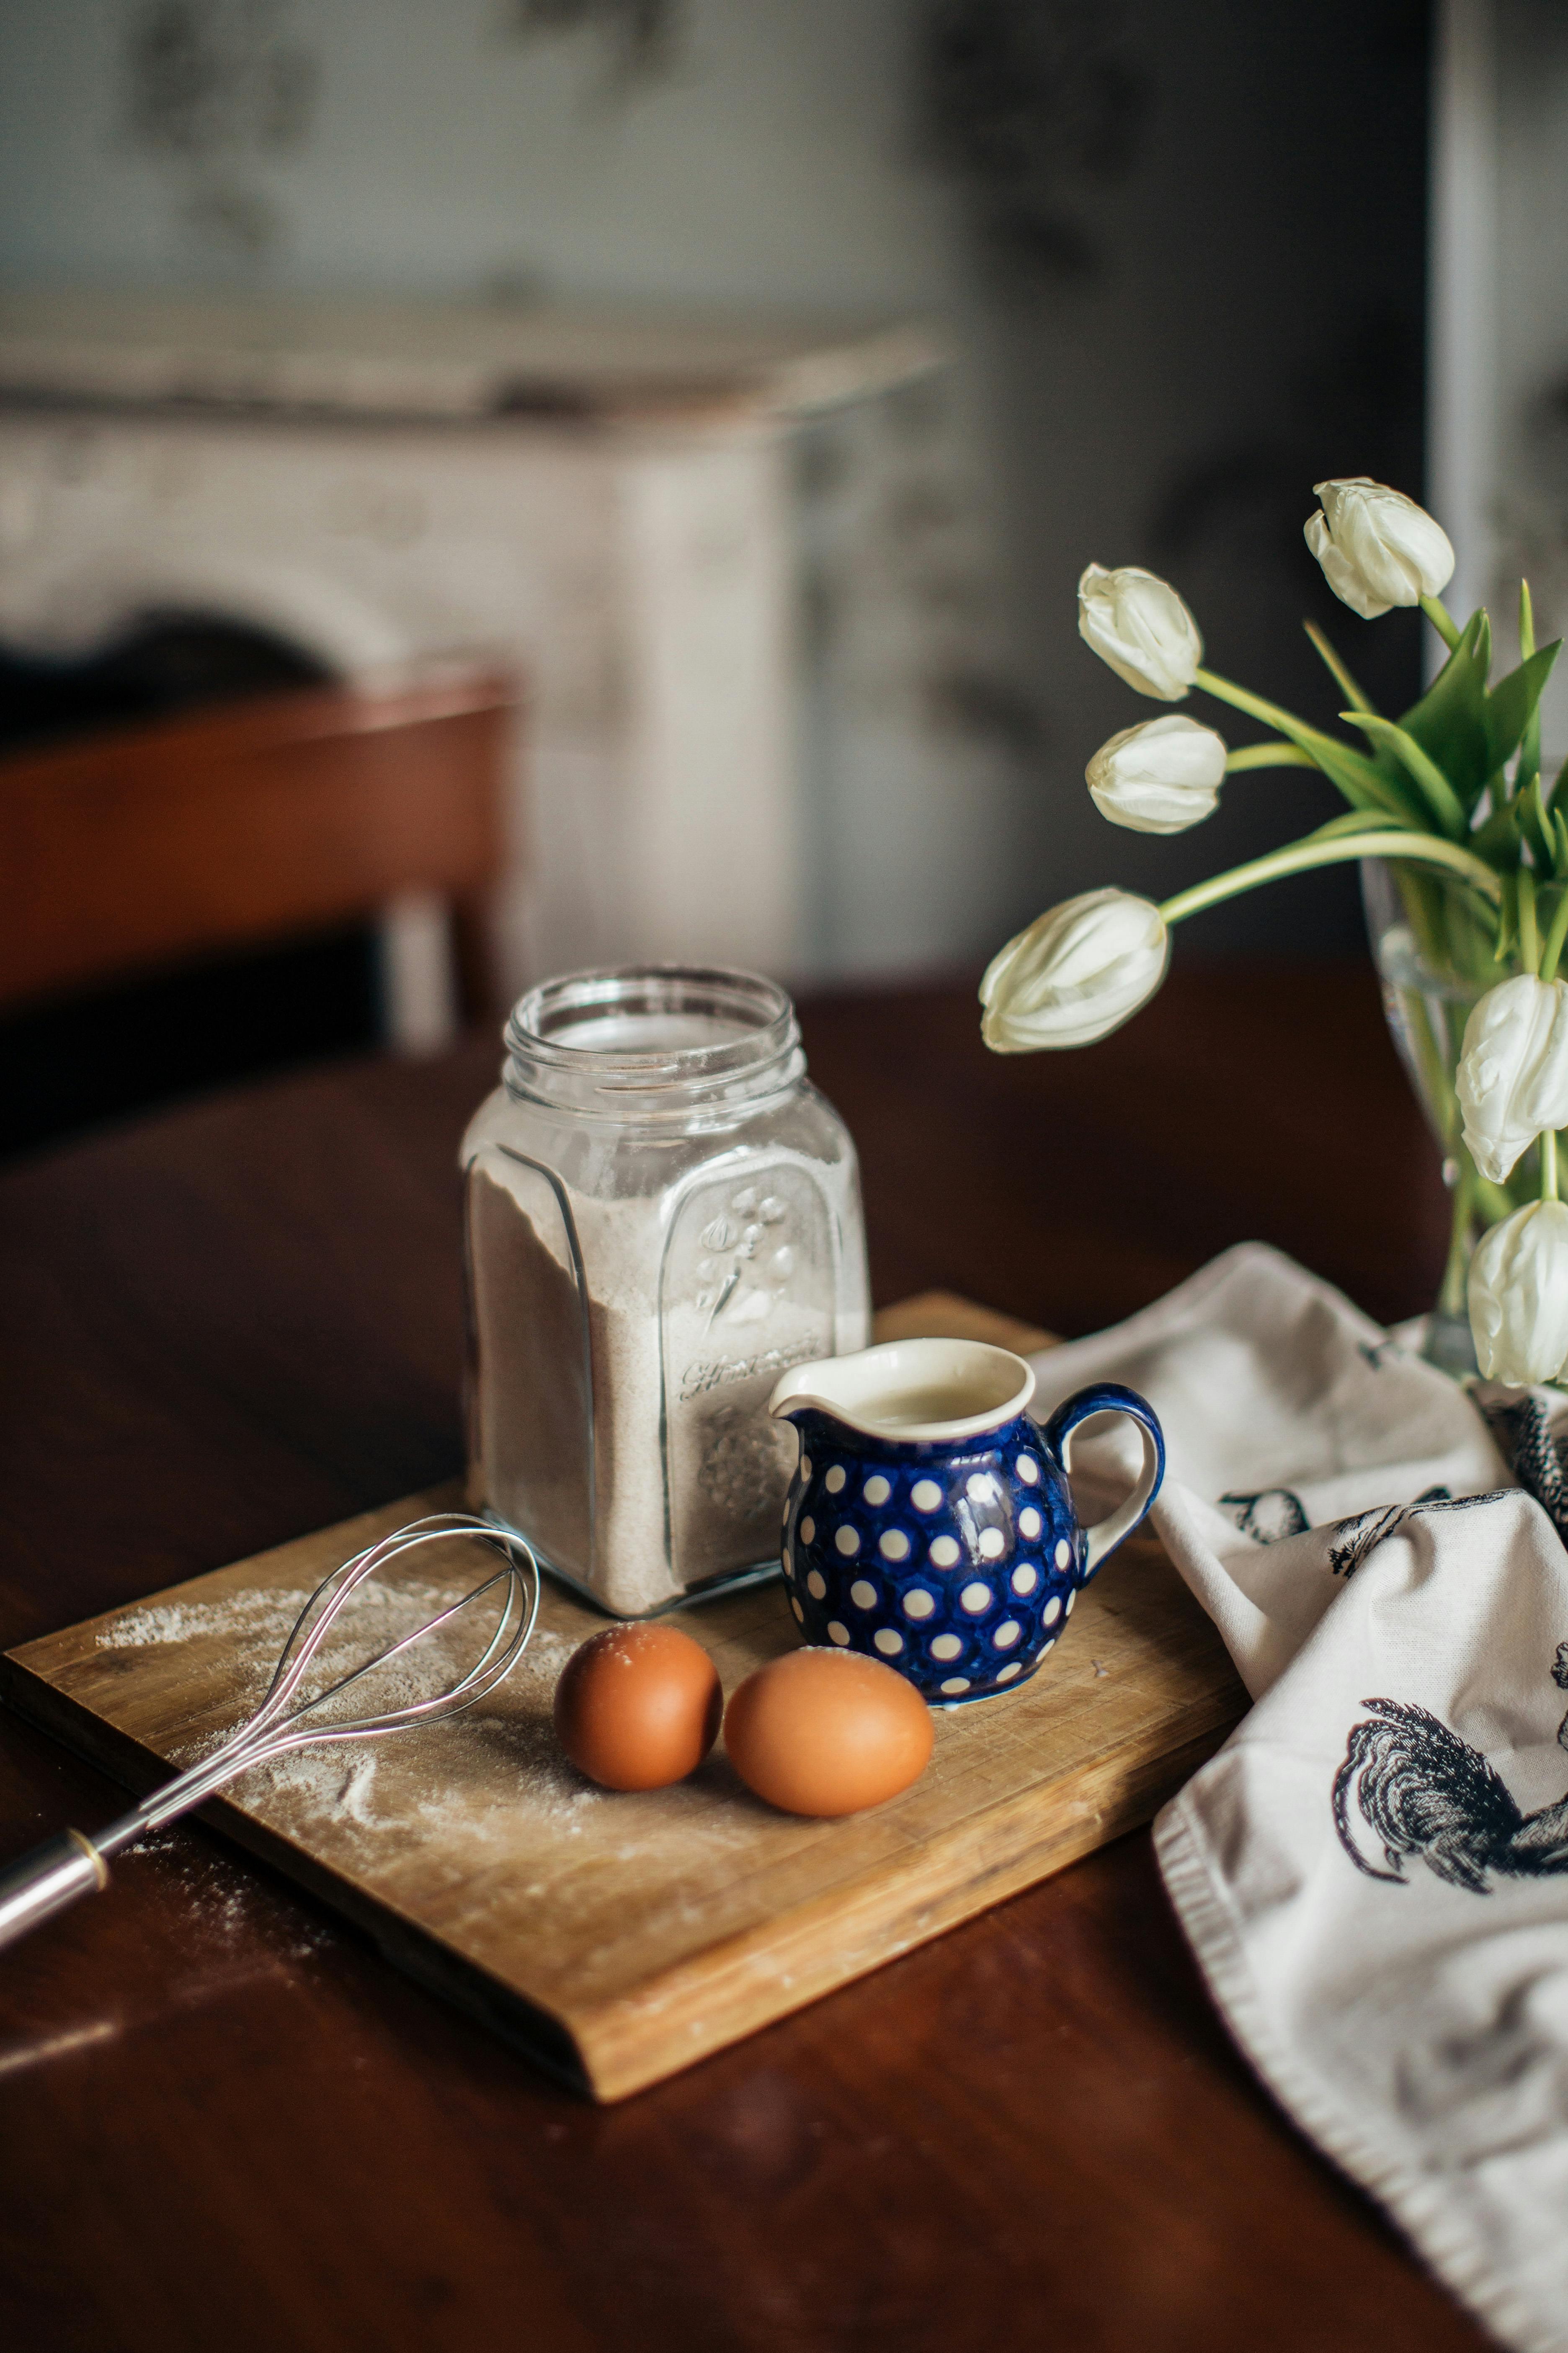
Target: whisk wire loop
<point x="56" y="1874"/>
<point x="276" y="1728"/>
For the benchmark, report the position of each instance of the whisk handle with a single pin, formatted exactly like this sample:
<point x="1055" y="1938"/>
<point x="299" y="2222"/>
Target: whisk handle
<point x="46" y="1880"/>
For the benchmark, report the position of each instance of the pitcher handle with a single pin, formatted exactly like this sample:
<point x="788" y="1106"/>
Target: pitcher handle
<point x="1109" y="1396"/>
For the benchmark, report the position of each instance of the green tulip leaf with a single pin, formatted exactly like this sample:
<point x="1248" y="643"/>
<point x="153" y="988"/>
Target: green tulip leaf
<point x="1535" y="827"/>
<point x="1506" y="921"/>
<point x="1443" y="803"/>
<point x="1511" y="705"/>
<point x="1450" y="722"/>
<point x="1378" y="785"/>
<point x="1367" y="791"/>
<point x="1498" y="840"/>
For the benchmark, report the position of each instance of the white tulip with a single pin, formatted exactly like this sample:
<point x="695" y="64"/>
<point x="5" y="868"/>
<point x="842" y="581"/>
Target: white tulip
<point x="1159" y="777"/>
<point x="1077" y="973"/>
<point x="1377" y="547"/>
<point x="1518" y="1296"/>
<point x="1513" y="1079"/>
<point x="1140" y="626"/>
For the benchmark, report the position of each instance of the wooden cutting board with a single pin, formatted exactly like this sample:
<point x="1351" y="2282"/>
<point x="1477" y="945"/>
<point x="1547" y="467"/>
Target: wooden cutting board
<point x="618" y="1939"/>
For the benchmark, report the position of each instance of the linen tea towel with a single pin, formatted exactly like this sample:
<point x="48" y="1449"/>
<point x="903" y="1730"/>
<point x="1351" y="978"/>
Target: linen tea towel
<point x="1373" y="1871"/>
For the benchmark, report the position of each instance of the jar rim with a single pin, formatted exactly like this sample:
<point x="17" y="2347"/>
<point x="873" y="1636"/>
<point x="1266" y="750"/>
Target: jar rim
<point x="540" y="1043"/>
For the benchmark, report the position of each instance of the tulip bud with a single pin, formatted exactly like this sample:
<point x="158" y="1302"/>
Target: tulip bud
<point x="1140" y="627"/>
<point x="1513" y="1079"/>
<point x="1077" y="973"/>
<point x="1159" y="777"/>
<point x="1518" y="1296"/>
<point x="1377" y="547"/>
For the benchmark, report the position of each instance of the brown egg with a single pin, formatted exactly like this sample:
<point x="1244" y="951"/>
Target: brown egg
<point x="638" y="1706"/>
<point x="826" y="1732"/>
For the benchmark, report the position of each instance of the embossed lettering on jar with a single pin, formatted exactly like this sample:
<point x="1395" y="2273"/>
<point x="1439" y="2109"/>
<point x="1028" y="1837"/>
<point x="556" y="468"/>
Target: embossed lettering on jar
<point x="662" y="1216"/>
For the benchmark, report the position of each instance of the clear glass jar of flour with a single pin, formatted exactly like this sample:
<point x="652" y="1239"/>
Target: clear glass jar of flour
<point x="662" y="1216"/>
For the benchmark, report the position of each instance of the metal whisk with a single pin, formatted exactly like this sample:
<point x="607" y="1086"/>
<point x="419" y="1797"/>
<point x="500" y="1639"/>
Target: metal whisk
<point x="56" y="1874"/>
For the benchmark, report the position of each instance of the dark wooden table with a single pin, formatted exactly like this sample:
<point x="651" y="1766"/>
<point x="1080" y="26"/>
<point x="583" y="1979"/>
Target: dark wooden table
<point x="225" y="2122"/>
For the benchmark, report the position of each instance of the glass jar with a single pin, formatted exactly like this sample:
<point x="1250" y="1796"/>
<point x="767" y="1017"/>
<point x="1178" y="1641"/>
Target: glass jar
<point x="662" y="1216"/>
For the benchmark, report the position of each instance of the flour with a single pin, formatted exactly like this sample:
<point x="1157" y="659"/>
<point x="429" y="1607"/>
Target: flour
<point x="482" y="1815"/>
<point x="623" y="1365"/>
<point x="243" y="1617"/>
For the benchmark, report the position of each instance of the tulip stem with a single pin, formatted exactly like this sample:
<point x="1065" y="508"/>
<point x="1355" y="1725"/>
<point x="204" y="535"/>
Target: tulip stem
<point x="1301" y="856"/>
<point x="1551" y="953"/>
<point x="1268" y="756"/>
<point x="1529" y="937"/>
<point x="1442" y="620"/>
<point x="1343" y="679"/>
<point x="1256" y="706"/>
<point x="1241" y="698"/>
<point x="1362" y="784"/>
<point x="1461" y="1237"/>
<point x="1549" y="1164"/>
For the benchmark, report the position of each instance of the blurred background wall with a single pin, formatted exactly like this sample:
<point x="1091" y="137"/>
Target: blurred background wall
<point x="1179" y="253"/>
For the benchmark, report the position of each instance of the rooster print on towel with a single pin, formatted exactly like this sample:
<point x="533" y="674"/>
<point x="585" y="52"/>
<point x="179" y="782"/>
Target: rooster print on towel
<point x="1425" y="1794"/>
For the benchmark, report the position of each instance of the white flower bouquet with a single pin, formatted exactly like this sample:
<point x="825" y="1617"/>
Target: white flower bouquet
<point x="1450" y="796"/>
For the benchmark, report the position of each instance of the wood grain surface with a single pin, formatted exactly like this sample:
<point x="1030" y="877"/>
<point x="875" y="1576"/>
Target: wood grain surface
<point x="224" y="2119"/>
<point x="617" y="1938"/>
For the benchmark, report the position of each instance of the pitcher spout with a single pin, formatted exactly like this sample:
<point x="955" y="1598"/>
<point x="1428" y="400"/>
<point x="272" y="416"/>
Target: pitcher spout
<point x="801" y="1391"/>
<point x="911" y="1391"/>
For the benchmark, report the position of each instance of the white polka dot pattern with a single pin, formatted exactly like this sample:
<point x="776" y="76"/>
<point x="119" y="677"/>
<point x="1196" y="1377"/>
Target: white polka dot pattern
<point x="1008" y="1558"/>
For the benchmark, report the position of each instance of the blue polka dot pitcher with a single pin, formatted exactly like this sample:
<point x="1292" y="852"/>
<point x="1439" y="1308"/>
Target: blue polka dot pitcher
<point x="929" y="1522"/>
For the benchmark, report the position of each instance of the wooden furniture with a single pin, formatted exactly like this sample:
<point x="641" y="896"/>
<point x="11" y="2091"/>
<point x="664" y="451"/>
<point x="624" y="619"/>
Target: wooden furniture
<point x="232" y="1325"/>
<point x="253" y="821"/>
<point x="621" y="1941"/>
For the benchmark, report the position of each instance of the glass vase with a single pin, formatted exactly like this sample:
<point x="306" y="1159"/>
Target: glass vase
<point x="1434" y="958"/>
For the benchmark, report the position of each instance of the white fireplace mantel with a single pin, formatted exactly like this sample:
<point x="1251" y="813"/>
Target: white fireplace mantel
<point x="601" y="500"/>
